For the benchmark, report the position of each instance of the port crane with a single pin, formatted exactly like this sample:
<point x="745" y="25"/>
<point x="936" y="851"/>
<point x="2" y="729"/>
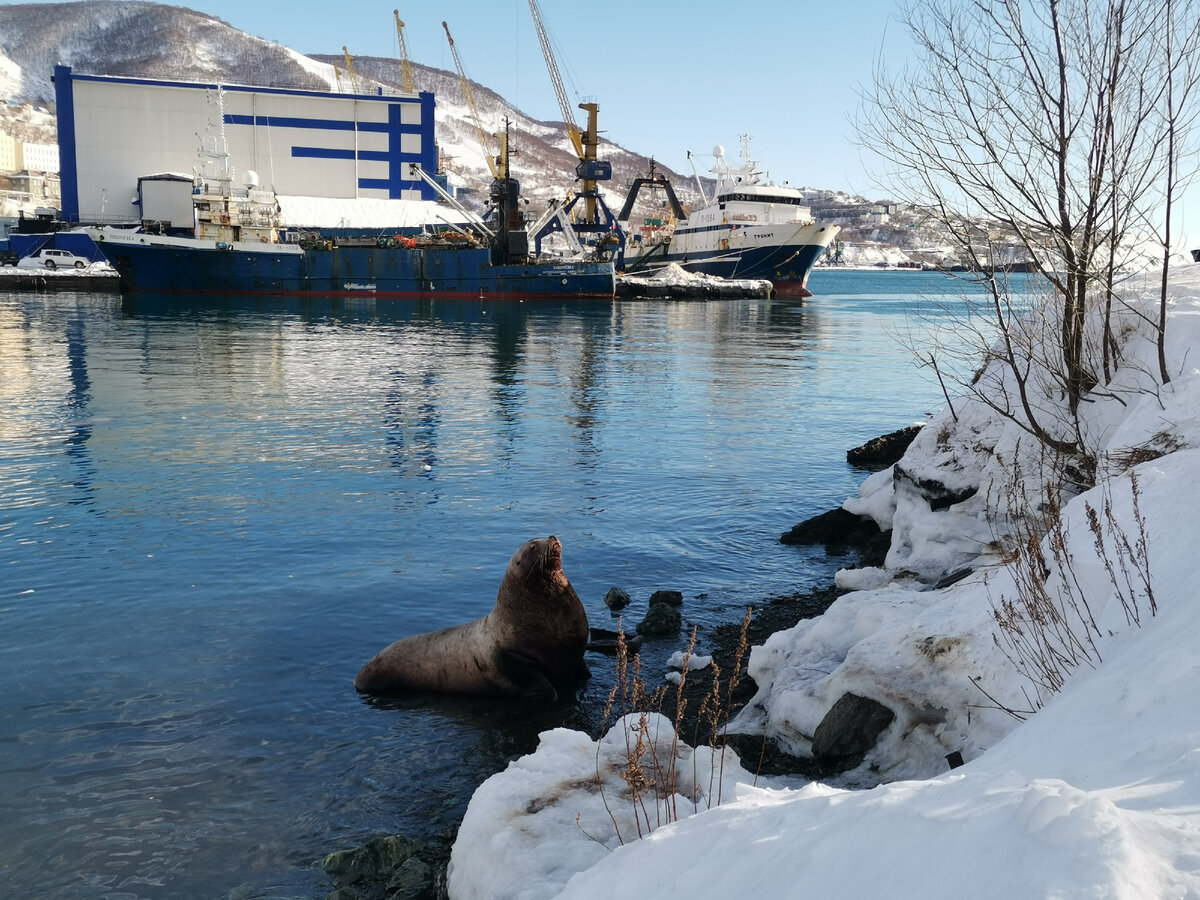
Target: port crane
<point x="485" y="142"/>
<point x="597" y="217"/>
<point x="511" y="241"/>
<point x="406" y="73"/>
<point x="350" y="69"/>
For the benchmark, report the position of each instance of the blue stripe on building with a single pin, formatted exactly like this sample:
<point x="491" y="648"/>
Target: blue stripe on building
<point x="321" y="124"/>
<point x="321" y="153"/>
<point x="396" y="159"/>
<point x="250" y="89"/>
<point x="64" y="98"/>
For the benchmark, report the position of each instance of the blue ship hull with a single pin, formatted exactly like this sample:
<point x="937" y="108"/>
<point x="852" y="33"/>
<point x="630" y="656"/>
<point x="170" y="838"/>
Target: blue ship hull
<point x="786" y="267"/>
<point x="147" y="263"/>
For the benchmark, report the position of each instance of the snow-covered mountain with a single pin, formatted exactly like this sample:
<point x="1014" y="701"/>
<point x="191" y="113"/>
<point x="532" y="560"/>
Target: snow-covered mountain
<point x="143" y="39"/>
<point x="125" y="37"/>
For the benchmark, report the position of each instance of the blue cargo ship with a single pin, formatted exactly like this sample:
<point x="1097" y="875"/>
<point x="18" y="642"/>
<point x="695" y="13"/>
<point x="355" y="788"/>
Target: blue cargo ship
<point x="426" y="267"/>
<point x="231" y="240"/>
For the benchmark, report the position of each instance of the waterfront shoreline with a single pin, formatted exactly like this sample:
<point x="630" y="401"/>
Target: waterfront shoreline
<point x="44" y="282"/>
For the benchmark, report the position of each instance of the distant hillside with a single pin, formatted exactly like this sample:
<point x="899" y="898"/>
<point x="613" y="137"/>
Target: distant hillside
<point x="152" y="40"/>
<point x="126" y="37"/>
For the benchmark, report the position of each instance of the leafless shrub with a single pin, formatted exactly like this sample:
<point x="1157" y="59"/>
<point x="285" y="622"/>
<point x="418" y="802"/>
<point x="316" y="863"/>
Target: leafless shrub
<point x="1126" y="560"/>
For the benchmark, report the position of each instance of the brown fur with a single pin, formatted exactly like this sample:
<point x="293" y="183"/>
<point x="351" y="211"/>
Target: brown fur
<point x="530" y="645"/>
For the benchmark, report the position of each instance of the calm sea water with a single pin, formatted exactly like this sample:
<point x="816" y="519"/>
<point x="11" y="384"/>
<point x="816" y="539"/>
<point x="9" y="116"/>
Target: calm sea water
<point x="212" y="513"/>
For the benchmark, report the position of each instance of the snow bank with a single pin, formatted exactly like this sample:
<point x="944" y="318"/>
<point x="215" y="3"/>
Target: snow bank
<point x="1097" y="794"/>
<point x="927" y="654"/>
<point x="567" y="806"/>
<point x="672" y="280"/>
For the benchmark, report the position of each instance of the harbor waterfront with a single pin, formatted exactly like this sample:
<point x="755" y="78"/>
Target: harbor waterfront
<point x="213" y="511"/>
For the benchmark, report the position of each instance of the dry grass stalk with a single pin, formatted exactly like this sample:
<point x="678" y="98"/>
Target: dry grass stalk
<point x="651" y="773"/>
<point x="1049" y="628"/>
<point x="1128" y="564"/>
<point x="1044" y="632"/>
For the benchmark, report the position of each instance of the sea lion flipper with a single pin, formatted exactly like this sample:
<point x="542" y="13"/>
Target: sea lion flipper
<point x="526" y="675"/>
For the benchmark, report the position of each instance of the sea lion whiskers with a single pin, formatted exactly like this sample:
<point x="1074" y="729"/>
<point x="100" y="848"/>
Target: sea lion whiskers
<point x="552" y="552"/>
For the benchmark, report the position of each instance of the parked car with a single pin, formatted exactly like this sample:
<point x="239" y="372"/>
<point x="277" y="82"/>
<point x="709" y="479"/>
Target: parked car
<point x="9" y="257"/>
<point x="53" y="259"/>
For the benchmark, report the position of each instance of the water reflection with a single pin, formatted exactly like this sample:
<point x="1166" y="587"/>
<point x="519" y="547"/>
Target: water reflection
<point x="411" y="420"/>
<point x="77" y="399"/>
<point x="278" y="487"/>
<point x="587" y="391"/>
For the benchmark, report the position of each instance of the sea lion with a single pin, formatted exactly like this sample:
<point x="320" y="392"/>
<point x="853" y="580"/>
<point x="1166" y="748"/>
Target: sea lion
<point x="530" y="645"/>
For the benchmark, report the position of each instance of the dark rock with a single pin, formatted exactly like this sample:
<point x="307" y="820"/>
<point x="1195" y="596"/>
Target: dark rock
<point x="762" y="756"/>
<point x="935" y="493"/>
<point x="414" y="880"/>
<point x="616" y="598"/>
<point x="662" y="620"/>
<point x="951" y="498"/>
<point x="849" y="730"/>
<point x="837" y="526"/>
<point x="393" y="867"/>
<point x="383" y="853"/>
<point x="602" y="640"/>
<point x="883" y="451"/>
<point x="671" y="598"/>
<point x="952" y="578"/>
<point x="840" y="532"/>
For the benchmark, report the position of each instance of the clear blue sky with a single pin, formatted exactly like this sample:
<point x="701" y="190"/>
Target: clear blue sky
<point x="670" y="75"/>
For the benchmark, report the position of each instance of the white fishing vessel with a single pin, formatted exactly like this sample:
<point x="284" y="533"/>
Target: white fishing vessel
<point x="751" y="228"/>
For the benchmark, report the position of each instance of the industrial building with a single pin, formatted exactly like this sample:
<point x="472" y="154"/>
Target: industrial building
<point x="114" y="132"/>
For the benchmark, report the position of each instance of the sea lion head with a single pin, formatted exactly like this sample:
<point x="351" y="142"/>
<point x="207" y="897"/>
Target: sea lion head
<point x="537" y="565"/>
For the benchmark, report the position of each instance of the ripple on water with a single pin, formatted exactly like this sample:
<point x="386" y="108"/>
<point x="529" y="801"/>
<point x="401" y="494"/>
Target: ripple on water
<point x="213" y="512"/>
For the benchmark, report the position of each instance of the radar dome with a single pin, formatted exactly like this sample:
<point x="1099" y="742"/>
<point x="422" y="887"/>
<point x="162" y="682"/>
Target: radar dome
<point x="250" y="179"/>
<point x="718" y="151"/>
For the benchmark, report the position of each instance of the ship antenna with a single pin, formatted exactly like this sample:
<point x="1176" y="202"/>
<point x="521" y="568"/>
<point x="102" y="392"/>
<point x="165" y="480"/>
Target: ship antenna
<point x="696" y="175"/>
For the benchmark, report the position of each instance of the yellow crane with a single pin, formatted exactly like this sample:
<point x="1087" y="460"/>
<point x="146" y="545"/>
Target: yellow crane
<point x="480" y="132"/>
<point x="585" y="143"/>
<point x="556" y="79"/>
<point x="590" y="170"/>
<point x="350" y="69"/>
<point x="406" y="74"/>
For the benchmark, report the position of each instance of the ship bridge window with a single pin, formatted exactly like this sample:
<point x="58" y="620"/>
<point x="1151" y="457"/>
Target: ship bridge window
<point x="764" y="198"/>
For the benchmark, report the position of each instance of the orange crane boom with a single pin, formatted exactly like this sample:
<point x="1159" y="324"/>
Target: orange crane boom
<point x="350" y="69"/>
